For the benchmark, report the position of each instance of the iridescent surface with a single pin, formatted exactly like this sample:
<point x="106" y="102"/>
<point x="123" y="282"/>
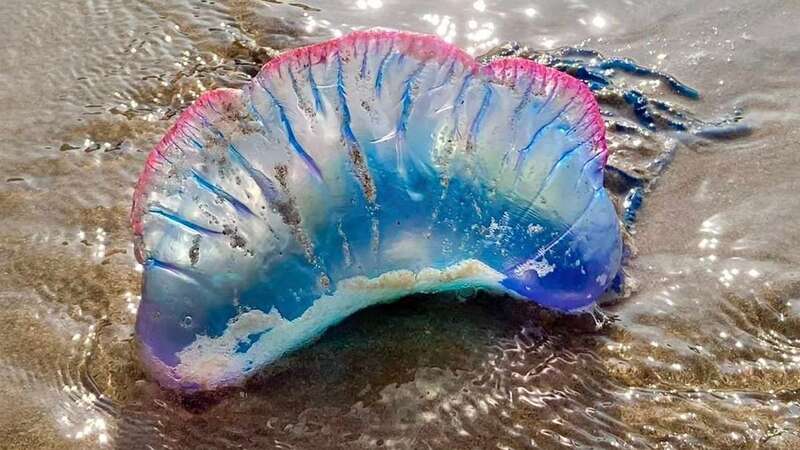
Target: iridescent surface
<point x="356" y="172"/>
<point x="703" y="354"/>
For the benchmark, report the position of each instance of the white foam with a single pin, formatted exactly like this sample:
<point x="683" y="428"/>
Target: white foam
<point x="542" y="268"/>
<point x="213" y="362"/>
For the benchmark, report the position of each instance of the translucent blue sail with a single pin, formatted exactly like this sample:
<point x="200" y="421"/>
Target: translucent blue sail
<point x="355" y="172"/>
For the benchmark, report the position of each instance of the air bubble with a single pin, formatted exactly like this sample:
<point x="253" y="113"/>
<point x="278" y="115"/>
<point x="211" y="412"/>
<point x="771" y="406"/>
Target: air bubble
<point x="187" y="321"/>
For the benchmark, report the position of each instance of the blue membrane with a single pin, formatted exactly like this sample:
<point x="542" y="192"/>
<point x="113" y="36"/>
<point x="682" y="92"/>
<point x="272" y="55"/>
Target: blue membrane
<point x="356" y="172"/>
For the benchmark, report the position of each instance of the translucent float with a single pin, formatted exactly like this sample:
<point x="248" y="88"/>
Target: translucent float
<point x="355" y="172"/>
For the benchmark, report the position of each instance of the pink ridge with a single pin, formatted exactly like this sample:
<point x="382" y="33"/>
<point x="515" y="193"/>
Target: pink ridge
<point x="201" y="106"/>
<point x="510" y="70"/>
<point x="427" y="47"/>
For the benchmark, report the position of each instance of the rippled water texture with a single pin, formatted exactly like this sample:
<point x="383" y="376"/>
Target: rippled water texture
<point x="702" y="350"/>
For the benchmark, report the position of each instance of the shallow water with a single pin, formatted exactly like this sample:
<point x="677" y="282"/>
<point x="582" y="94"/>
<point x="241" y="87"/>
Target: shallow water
<point x="704" y="351"/>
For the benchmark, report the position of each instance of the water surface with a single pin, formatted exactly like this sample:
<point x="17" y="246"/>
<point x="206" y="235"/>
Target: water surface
<point x="702" y="351"/>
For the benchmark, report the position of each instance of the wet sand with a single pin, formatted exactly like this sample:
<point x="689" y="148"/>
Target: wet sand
<point x="705" y="352"/>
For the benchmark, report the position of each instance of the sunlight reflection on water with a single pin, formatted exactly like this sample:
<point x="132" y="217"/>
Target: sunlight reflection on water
<point x="704" y="352"/>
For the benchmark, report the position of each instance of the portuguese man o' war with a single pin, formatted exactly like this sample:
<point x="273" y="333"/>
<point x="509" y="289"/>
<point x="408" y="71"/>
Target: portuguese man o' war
<point x="355" y="172"/>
